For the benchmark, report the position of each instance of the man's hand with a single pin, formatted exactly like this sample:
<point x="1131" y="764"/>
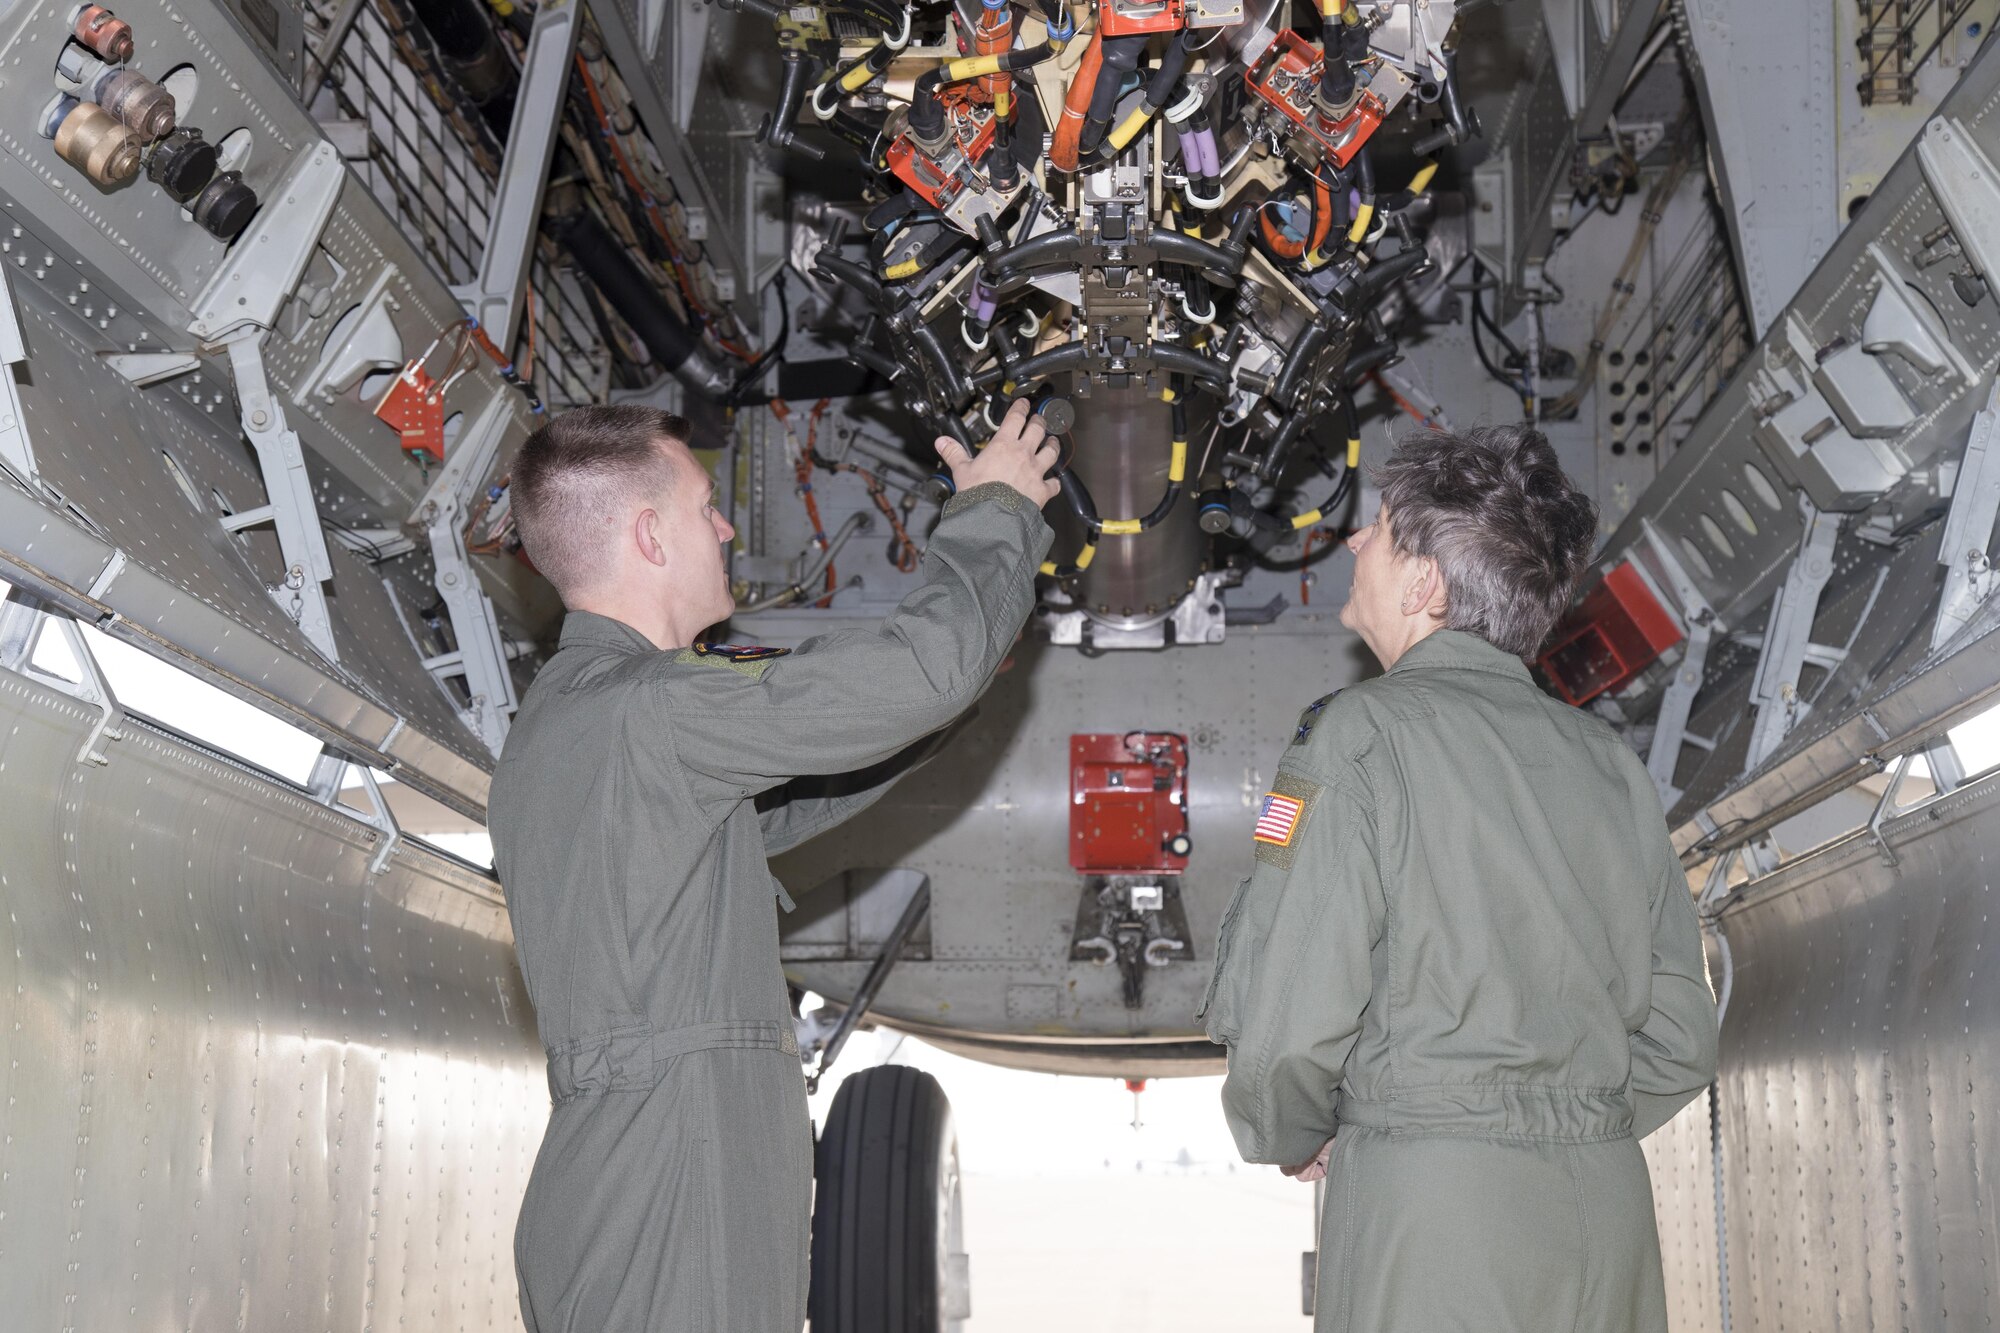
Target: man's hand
<point x="1020" y="454"/>
<point x="1307" y="1172"/>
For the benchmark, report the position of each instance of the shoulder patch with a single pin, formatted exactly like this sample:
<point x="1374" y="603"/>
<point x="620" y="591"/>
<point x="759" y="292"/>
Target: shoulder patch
<point x="1281" y="819"/>
<point x="745" y="659"/>
<point x="1311" y="716"/>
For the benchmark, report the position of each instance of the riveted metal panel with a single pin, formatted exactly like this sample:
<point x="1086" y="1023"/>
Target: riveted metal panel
<point x="245" y="1084"/>
<point x="988" y="822"/>
<point x="1860" y="1057"/>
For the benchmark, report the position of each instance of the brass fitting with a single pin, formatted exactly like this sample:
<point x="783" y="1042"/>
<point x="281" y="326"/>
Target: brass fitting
<point x="91" y="140"/>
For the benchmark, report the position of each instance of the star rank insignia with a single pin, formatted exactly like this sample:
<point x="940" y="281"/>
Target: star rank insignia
<point x="1311" y="715"/>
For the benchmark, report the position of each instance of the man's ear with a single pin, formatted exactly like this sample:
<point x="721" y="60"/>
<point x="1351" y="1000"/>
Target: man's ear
<point x="646" y="536"/>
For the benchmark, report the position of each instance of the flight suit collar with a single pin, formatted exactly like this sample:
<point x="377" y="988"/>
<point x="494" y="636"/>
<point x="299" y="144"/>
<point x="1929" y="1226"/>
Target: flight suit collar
<point x="587" y="627"/>
<point x="1455" y="650"/>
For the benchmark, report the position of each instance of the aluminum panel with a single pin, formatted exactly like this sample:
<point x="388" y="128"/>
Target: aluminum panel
<point x="1860" y="1058"/>
<point x="245" y="1084"/>
<point x="142" y="472"/>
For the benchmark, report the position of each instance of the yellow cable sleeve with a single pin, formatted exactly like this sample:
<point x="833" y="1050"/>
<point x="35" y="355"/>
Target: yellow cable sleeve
<point x="1002" y="103"/>
<point x="1120" y="527"/>
<point x="1085" y="556"/>
<point x="970" y="67"/>
<point x="909" y="268"/>
<point x="1363" y="216"/>
<point x="860" y="76"/>
<point x="1049" y="568"/>
<point x="1330" y="9"/>
<point x="1305" y="520"/>
<point x="1354" y="453"/>
<point x="1128" y="128"/>
<point x="1422" y="180"/>
<point x="1007" y="389"/>
<point x="1167" y="395"/>
<point x="1177" y="466"/>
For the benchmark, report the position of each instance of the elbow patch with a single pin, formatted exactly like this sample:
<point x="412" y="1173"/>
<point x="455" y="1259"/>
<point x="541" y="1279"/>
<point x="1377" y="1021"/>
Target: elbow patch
<point x="1282" y="819"/>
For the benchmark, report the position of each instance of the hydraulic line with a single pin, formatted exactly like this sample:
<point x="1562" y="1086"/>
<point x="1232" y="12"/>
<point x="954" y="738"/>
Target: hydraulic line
<point x="1363" y="167"/>
<point x="1063" y="149"/>
<point x="1159" y="88"/>
<point x="780" y="128"/>
<point x="632" y="294"/>
<point x="799" y="589"/>
<point x="1121" y="57"/>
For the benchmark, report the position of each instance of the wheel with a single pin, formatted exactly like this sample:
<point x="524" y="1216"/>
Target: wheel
<point x="888" y="1229"/>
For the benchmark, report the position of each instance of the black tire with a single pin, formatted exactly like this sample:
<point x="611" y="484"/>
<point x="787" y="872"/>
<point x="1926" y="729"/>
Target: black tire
<point x="887" y="1234"/>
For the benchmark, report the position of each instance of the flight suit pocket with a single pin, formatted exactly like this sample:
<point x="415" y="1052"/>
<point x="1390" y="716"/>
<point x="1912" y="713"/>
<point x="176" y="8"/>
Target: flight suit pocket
<point x="1220" y="1027"/>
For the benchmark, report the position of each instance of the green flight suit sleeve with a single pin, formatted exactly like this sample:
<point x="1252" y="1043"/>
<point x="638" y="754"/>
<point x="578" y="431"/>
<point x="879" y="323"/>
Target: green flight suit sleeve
<point x="1293" y="972"/>
<point x="807" y="807"/>
<point x="1674" y="1052"/>
<point x="844" y="701"/>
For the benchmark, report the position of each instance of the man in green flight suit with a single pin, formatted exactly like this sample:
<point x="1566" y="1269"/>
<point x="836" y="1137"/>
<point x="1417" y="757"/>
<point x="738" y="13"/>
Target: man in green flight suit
<point x="641" y="789"/>
<point x="1464" y="977"/>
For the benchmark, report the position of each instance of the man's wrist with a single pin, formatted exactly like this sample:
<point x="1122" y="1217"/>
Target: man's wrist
<point x="997" y="491"/>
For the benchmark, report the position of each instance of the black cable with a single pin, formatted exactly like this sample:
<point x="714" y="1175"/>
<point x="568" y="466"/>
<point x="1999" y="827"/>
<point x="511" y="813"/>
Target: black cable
<point x="753" y="372"/>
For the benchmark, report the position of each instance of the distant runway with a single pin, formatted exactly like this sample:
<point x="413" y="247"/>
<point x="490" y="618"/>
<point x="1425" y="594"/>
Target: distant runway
<point x="1147" y="1253"/>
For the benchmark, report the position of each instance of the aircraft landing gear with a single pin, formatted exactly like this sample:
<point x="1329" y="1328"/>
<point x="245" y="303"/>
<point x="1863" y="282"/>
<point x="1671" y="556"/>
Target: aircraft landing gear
<point x="888" y="1233"/>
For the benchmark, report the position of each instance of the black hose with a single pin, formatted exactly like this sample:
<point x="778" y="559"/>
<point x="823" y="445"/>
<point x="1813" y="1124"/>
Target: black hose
<point x="637" y="300"/>
<point x="1304" y="349"/>
<point x="1378" y="277"/>
<point x="1121" y="57"/>
<point x="1180" y="248"/>
<point x="926" y="339"/>
<point x="1188" y="362"/>
<point x="1070" y="356"/>
<point x="1049" y="250"/>
<point x="926" y="111"/>
<point x="752" y="373"/>
<point x="849" y="272"/>
<point x="780" y="128"/>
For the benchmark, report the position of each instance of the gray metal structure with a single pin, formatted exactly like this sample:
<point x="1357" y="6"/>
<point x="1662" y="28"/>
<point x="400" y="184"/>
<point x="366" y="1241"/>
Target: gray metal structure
<point x="266" y="1058"/>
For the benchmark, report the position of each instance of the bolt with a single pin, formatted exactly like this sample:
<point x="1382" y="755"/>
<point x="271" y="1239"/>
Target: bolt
<point x="259" y="419"/>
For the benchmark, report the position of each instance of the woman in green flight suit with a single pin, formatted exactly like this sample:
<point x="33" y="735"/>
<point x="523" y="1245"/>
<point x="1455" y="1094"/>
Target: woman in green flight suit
<point x="1465" y="976"/>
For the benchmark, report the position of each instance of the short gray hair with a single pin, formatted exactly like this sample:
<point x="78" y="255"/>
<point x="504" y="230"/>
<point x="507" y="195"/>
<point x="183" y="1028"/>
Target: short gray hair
<point x="1510" y="532"/>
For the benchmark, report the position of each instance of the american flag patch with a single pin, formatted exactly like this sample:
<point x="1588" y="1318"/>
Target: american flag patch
<point x="1278" y="820"/>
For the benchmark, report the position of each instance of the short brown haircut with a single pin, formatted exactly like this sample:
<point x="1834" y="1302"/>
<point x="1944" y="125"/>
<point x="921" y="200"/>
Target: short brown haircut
<point x="1510" y="532"/>
<point x="573" y="478"/>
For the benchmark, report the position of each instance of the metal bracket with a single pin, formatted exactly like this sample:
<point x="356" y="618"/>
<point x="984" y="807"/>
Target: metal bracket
<point x="828" y="1049"/>
<point x="1886" y="807"/>
<point x="17" y="451"/>
<point x="301" y="539"/>
<point x="93" y="689"/>
<point x="380" y="819"/>
<point x="1967" y="187"/>
<point x="22" y="619"/>
<point x="494" y="296"/>
<point x="1670" y="727"/>
<point x="1788" y="636"/>
<point x="143" y="368"/>
<point x="1657" y="564"/>
<point x="1968" y="528"/>
<point x="482" y="655"/>
<point x="266" y="263"/>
